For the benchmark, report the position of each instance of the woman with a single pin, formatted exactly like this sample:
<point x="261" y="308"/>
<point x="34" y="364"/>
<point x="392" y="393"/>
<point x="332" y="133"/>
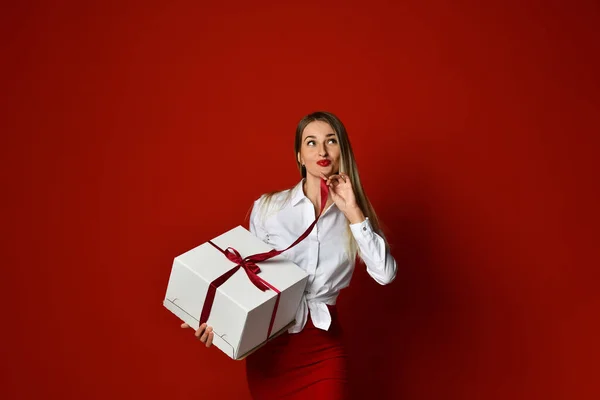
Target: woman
<point x="310" y="359"/>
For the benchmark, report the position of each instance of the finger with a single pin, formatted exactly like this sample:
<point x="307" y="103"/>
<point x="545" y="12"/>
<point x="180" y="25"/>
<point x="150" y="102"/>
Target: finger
<point x="328" y="181"/>
<point x="200" y="330"/>
<point x="205" y="335"/>
<point x="184" y="325"/>
<point x="211" y="335"/>
<point x="335" y="180"/>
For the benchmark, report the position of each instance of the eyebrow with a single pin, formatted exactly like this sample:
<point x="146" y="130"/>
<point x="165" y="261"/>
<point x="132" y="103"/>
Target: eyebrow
<point x="314" y="137"/>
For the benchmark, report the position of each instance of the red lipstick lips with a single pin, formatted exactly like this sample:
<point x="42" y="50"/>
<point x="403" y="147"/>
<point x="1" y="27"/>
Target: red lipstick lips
<point x="324" y="163"/>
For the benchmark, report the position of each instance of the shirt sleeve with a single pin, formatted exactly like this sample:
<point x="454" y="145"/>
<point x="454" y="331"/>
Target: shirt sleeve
<point x="256" y="225"/>
<point x="381" y="266"/>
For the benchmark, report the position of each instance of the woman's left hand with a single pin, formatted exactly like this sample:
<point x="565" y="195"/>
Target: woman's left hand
<point x="341" y="191"/>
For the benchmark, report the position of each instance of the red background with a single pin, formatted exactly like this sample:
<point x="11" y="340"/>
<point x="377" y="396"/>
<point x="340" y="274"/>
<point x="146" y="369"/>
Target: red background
<point x="132" y="132"/>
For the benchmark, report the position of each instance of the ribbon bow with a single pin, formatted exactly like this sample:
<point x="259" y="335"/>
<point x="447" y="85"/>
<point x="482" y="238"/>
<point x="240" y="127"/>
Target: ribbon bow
<point x="248" y="264"/>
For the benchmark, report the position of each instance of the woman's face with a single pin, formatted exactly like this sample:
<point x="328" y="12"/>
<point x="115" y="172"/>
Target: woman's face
<point x="320" y="149"/>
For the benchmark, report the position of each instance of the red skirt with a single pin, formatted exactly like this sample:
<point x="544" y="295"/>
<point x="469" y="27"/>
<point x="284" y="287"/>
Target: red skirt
<point x="306" y="365"/>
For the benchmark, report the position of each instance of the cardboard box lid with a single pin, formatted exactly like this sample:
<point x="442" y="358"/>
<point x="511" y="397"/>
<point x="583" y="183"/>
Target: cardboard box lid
<point x="208" y="263"/>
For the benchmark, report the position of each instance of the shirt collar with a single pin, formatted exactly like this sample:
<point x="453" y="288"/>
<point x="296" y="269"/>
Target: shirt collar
<point x="298" y="193"/>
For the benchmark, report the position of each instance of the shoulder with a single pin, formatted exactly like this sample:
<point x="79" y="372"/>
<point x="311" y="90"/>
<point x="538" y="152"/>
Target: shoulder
<point x="272" y="203"/>
<point x="268" y="203"/>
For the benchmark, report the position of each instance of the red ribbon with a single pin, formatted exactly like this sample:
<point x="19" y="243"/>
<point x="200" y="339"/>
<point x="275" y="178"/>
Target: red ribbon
<point x="252" y="270"/>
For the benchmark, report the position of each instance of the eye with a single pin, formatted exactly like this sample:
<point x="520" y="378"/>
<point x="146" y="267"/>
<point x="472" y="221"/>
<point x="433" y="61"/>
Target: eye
<point x="310" y="143"/>
<point x="332" y="141"/>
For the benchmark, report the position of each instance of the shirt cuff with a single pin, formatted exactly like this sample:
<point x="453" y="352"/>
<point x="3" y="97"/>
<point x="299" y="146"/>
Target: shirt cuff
<point x="363" y="229"/>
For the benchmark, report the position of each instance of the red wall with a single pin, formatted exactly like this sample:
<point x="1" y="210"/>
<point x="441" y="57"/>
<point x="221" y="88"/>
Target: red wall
<point x="134" y="132"/>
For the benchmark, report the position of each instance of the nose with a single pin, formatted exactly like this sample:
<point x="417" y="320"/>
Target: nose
<point x="322" y="150"/>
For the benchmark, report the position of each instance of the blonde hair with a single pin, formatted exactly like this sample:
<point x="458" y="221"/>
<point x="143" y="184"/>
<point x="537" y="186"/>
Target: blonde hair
<point x="347" y="166"/>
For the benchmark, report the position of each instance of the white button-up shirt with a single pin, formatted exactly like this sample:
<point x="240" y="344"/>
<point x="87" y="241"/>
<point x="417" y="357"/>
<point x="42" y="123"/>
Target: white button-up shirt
<point x="325" y="254"/>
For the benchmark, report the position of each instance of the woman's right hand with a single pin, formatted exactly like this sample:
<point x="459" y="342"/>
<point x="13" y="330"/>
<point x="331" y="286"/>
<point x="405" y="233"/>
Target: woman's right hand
<point x="204" y="333"/>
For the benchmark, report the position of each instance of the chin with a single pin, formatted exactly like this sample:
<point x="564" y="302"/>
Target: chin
<point x="333" y="169"/>
<point x="330" y="172"/>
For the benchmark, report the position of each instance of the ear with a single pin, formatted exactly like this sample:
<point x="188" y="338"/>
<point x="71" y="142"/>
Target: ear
<point x="299" y="159"/>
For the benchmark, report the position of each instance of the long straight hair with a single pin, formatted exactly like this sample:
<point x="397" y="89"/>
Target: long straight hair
<point x="347" y="166"/>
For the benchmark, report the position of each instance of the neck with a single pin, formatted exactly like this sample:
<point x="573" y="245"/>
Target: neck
<point x="312" y="190"/>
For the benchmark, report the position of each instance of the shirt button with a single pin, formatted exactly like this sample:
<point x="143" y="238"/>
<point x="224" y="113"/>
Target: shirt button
<point x="364" y="228"/>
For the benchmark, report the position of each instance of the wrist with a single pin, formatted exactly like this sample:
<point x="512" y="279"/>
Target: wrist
<point x="355" y="215"/>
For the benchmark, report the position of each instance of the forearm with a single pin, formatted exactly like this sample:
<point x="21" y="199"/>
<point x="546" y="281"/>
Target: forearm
<point x="377" y="257"/>
<point x="354" y="215"/>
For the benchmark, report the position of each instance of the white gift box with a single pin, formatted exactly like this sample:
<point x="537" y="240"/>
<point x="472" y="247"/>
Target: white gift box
<point x="241" y="313"/>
